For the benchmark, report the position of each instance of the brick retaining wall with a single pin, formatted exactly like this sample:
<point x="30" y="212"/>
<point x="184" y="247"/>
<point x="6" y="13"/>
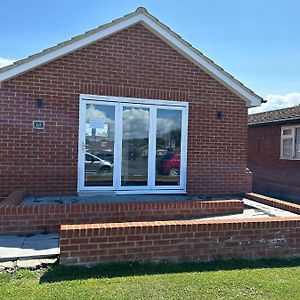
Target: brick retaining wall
<point x="200" y="240"/>
<point x="38" y="218"/>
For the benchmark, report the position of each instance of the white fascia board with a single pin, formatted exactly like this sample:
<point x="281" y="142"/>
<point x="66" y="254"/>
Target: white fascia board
<point x="251" y="99"/>
<point x="69" y="48"/>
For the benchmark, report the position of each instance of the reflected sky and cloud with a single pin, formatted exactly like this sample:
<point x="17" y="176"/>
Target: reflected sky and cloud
<point x="135" y="120"/>
<point x="104" y="113"/>
<point x="135" y="123"/>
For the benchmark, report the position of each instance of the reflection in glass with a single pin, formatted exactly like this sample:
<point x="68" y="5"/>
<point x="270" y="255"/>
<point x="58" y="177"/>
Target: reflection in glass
<point x="297" y="141"/>
<point x="99" y="145"/>
<point x="168" y="147"/>
<point x="135" y="139"/>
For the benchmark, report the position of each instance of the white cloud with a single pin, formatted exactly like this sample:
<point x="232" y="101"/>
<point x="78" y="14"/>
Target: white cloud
<point x="135" y="123"/>
<point x="94" y="112"/>
<point x="5" y="62"/>
<point x="166" y="125"/>
<point x="277" y="102"/>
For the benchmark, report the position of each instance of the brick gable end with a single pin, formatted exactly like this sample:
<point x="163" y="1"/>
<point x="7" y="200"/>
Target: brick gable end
<point x="130" y="63"/>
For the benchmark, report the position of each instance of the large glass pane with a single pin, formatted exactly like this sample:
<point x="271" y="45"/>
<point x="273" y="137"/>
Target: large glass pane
<point x="99" y="145"/>
<point x="297" y="143"/>
<point x="168" y="147"/>
<point x="135" y="139"/>
<point x="287" y="147"/>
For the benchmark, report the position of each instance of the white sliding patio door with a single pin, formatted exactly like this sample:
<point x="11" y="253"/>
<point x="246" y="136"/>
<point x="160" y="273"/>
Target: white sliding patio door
<point x="132" y="145"/>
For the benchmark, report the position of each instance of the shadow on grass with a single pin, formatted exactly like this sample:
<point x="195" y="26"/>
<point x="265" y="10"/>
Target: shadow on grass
<point x="61" y="273"/>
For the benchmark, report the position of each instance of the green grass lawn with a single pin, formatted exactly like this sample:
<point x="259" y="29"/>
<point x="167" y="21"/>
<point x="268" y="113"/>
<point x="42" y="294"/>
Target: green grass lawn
<point x="268" y="279"/>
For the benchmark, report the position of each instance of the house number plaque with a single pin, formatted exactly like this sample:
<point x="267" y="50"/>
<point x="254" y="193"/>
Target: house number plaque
<point x="38" y="124"/>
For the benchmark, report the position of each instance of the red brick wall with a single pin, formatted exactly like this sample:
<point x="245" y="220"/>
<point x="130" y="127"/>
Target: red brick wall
<point x="37" y="218"/>
<point x="132" y="63"/>
<point x="271" y="174"/>
<point x="180" y="241"/>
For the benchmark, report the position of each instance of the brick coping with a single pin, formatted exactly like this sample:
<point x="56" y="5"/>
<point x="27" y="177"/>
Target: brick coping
<point x="292" y="207"/>
<point x="256" y="222"/>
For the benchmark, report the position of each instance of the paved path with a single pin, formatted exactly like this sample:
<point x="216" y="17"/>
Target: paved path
<point x="25" y="247"/>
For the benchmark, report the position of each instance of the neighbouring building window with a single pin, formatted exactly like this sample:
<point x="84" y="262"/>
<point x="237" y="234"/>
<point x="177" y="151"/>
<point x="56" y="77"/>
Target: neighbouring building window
<point x="290" y="142"/>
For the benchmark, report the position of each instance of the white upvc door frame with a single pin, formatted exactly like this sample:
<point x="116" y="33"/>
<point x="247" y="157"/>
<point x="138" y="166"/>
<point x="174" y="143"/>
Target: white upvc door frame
<point x="81" y="147"/>
<point x="119" y="103"/>
<point x="183" y="150"/>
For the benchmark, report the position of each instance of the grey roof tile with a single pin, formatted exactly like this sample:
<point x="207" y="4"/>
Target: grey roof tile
<point x="278" y="115"/>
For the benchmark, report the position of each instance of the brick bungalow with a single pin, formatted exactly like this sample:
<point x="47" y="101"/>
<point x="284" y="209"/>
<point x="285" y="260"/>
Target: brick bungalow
<point x="129" y="107"/>
<point x="274" y="152"/>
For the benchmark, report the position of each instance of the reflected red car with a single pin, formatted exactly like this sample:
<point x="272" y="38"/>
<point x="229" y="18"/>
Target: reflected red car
<point x="169" y="164"/>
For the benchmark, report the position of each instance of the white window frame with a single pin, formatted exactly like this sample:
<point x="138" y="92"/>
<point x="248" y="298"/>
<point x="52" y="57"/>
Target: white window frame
<point x="290" y="136"/>
<point x="153" y="105"/>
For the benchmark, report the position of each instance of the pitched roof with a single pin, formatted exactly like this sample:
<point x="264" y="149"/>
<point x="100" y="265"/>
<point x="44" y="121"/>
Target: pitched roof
<point x="155" y="26"/>
<point x="278" y="115"/>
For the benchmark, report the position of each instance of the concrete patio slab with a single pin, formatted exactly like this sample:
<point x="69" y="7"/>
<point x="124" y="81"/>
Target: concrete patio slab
<point x="13" y="247"/>
<point x="255" y="209"/>
<point x="10" y="245"/>
<point x="269" y="210"/>
<point x="112" y="198"/>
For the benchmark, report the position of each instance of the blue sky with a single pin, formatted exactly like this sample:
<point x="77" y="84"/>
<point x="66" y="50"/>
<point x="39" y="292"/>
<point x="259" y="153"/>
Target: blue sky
<point x="256" y="41"/>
